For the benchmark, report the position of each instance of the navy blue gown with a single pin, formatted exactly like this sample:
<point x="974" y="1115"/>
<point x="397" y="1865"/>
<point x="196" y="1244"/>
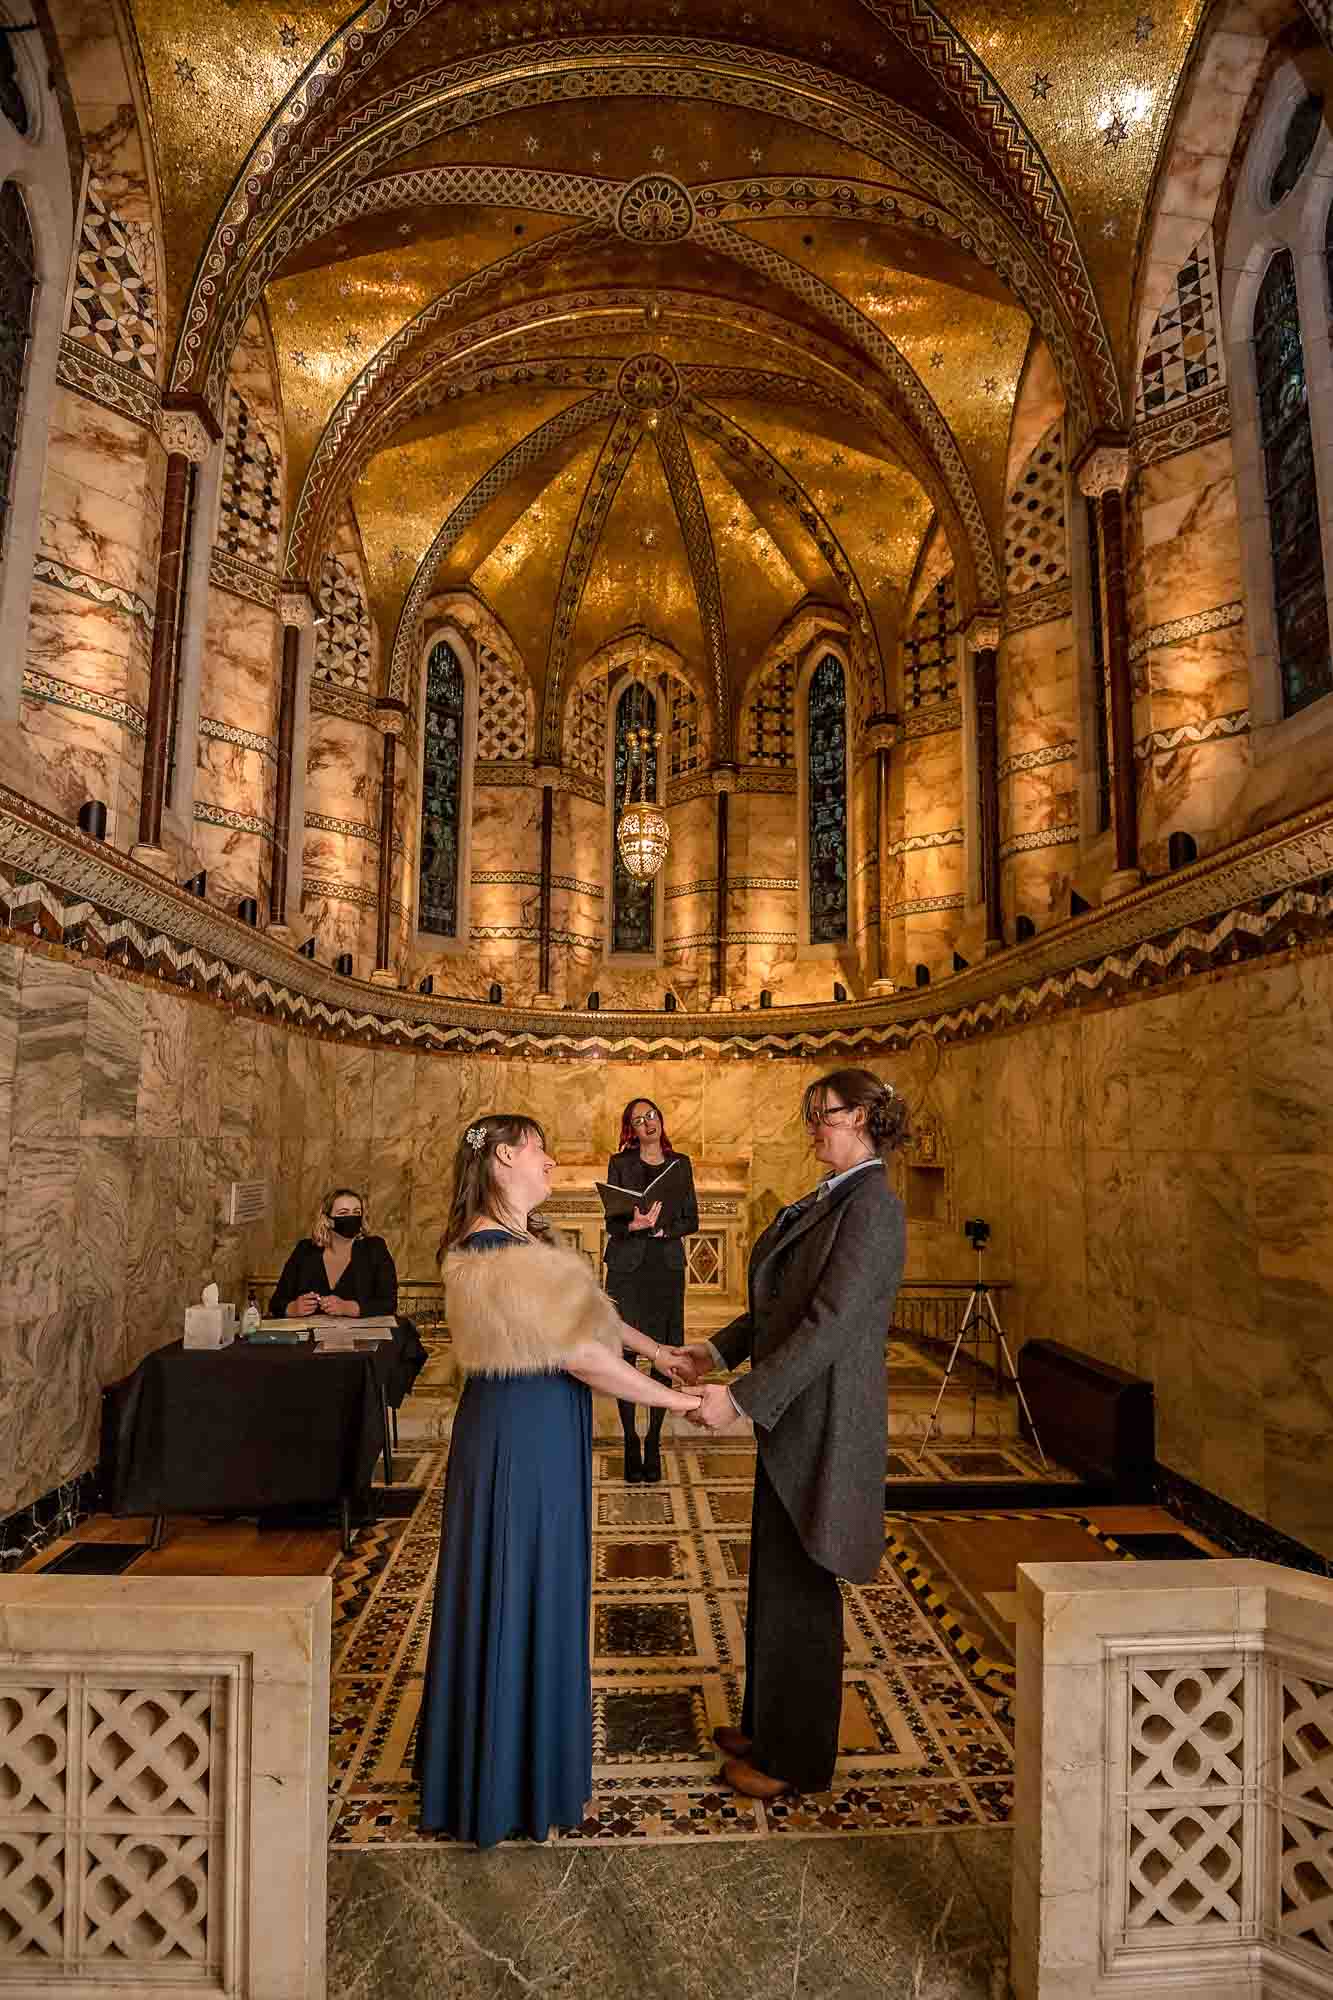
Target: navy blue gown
<point x="504" y="1744"/>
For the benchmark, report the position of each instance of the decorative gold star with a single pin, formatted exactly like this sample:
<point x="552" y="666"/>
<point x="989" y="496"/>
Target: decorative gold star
<point x="1116" y="133"/>
<point x="1041" y="84"/>
<point x="989" y="386"/>
<point x="287" y="35"/>
<point x="186" y="71"/>
<point x="1143" y="28"/>
<point x="937" y="359"/>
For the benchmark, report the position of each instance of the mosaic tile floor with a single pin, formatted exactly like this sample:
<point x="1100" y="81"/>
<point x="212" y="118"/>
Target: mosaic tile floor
<point x="924" y="1741"/>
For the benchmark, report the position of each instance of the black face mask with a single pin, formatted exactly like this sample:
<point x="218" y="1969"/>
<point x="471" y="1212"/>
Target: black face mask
<point x="346" y="1225"/>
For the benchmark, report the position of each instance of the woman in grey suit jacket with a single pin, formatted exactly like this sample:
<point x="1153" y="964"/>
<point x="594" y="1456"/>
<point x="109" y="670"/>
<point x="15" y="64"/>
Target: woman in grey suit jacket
<point x="822" y="1282"/>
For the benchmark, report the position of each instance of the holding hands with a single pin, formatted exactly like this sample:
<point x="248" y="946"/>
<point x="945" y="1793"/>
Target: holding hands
<point x="716" y="1409"/>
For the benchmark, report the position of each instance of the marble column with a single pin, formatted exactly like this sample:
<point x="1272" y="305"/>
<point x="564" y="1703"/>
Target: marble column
<point x="983" y="639"/>
<point x="545" y="996"/>
<point x="1103" y="474"/>
<point x="297" y="615"/>
<point x="880" y="734"/>
<point x="391" y="715"/>
<point x="189" y="432"/>
<point x="724" y="783"/>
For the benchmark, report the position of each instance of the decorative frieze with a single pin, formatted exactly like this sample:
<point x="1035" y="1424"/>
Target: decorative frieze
<point x="122" y="390"/>
<point x="327" y="889"/>
<point x="241" y="579"/>
<point x="243" y="739"/>
<point x="918" y="843"/>
<point x="936" y="721"/>
<point x="1219" y="619"/>
<point x="1105" y="469"/>
<point x="1038" y="837"/>
<point x="1201" y="421"/>
<point x="351" y="704"/>
<point x="734" y="882"/>
<point x="85" y="701"/>
<point x="111" y="596"/>
<point x="1038" y="607"/>
<point x="921" y="906"/>
<point x="207" y="814"/>
<point x="1261" y="895"/>
<point x="1216" y="729"/>
<point x="1040" y="759"/>
<point x="351" y="829"/>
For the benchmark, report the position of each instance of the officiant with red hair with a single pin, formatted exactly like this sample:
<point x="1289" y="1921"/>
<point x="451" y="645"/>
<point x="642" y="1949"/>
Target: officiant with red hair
<point x="645" y="1258"/>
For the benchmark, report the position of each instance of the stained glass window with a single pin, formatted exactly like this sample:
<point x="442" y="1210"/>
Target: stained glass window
<point x="18" y="281"/>
<point x="827" y="822"/>
<point x="12" y="101"/>
<point x="1299" y="602"/>
<point x="633" y="904"/>
<point x="441" y="794"/>
<point x="1297" y="146"/>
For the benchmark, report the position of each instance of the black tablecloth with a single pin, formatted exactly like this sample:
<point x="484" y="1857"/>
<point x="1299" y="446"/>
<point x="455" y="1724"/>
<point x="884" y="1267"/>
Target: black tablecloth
<point x="243" y="1428"/>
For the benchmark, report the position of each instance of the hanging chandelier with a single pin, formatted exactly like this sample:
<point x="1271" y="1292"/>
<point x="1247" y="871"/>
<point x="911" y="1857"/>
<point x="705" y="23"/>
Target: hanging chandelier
<point x="643" y="834"/>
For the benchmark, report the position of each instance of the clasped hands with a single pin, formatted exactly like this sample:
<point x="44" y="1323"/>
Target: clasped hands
<point x="314" y="1302"/>
<point x="688" y="1366"/>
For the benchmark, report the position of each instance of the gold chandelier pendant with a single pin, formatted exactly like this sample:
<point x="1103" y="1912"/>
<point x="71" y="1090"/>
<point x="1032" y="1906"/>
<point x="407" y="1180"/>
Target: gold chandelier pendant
<point x="643" y="832"/>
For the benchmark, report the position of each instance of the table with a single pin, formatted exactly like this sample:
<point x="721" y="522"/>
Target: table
<point x="243" y="1428"/>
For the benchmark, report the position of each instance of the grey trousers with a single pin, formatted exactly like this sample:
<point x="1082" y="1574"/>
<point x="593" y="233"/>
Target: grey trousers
<point x="793" y="1650"/>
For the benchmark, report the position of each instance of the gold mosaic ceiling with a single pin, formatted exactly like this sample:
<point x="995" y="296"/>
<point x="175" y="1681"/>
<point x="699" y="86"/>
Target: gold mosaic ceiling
<point x="839" y="260"/>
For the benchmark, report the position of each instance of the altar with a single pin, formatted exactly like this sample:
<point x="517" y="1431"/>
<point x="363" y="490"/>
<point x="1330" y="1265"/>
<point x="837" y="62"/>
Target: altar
<point x="715" y="1257"/>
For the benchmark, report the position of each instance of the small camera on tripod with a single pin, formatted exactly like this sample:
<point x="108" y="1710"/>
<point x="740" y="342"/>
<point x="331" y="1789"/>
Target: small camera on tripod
<point x="977" y="1232"/>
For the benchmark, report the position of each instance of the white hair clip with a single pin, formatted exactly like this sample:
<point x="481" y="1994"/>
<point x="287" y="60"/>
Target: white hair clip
<point x="476" y="1137"/>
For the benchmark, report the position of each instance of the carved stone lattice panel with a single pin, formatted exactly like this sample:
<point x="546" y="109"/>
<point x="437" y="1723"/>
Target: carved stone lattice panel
<point x="250" y="508"/>
<point x="1307" y="1741"/>
<point x="1185" y="1777"/>
<point x="113" y="1798"/>
<point x="1185" y="1866"/>
<point x="1306" y="1880"/>
<point x="1186" y="1727"/>
<point x="770" y="719"/>
<point x="585" y="730"/>
<point x="687" y="749"/>
<point x="930" y="650"/>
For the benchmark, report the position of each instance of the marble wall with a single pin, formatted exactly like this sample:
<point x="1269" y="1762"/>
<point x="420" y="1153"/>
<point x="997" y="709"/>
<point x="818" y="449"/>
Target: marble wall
<point x="1158" y="1174"/>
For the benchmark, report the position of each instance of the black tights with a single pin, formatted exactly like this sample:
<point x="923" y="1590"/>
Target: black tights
<point x="629" y="1412"/>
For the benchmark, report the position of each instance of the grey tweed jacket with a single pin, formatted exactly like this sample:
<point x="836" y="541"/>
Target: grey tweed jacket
<point x="820" y="1297"/>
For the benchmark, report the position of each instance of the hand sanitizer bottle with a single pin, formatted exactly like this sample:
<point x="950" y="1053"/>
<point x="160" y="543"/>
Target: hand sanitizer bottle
<point x="250" y="1318"/>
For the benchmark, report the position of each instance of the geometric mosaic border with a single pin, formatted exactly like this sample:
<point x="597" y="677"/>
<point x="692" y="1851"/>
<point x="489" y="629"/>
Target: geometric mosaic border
<point x="1038" y="760"/>
<point x="1218" y="619"/>
<point x="111" y="596"/>
<point x="64" y="694"/>
<point x="1270" y="893"/>
<point x="1217" y="728"/>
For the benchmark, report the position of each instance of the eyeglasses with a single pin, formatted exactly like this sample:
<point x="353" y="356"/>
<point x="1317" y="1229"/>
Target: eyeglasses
<point x="648" y="1118"/>
<point x="827" y="1111"/>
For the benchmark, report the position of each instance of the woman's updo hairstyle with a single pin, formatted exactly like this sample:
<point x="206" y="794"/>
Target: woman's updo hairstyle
<point x="475" y="1190"/>
<point x="886" y="1113"/>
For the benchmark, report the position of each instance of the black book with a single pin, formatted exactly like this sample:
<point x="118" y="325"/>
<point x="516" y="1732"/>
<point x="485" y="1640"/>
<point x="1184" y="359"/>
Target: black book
<point x="622" y="1201"/>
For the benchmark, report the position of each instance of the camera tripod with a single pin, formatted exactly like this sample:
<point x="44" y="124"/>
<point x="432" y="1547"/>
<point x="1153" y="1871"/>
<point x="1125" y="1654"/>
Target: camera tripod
<point x="980" y="1321"/>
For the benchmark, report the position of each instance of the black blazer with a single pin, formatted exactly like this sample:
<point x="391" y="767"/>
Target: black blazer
<point x="821" y="1293"/>
<point x="679" y="1218"/>
<point x="370" y="1278"/>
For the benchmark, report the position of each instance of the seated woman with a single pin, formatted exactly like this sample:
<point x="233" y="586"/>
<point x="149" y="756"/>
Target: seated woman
<point x="344" y="1272"/>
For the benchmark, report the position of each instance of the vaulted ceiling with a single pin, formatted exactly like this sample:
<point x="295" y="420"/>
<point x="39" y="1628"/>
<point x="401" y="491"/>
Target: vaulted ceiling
<point x="646" y="313"/>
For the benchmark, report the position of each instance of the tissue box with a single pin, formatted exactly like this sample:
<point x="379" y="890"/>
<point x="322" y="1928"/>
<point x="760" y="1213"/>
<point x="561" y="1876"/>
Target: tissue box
<point x="210" y="1326"/>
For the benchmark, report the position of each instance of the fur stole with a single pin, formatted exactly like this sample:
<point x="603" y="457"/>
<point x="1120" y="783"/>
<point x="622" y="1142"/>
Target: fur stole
<point x="523" y="1311"/>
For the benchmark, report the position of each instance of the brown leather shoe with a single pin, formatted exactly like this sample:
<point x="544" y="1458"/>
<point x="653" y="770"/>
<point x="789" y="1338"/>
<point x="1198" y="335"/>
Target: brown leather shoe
<point x="734" y="1741"/>
<point x="752" y="1784"/>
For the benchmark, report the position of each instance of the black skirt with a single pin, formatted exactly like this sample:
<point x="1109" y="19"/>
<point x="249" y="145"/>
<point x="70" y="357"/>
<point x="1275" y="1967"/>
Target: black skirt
<point x="651" y="1297"/>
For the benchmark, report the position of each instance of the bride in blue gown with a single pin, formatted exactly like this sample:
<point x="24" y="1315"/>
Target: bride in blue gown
<point x="504" y="1743"/>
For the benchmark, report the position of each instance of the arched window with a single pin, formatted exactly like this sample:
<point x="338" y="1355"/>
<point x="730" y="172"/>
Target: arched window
<point x="1300" y="606"/>
<point x="18" y="283"/>
<point x="633" y="904"/>
<point x="826" y="824"/>
<point x="441" y="793"/>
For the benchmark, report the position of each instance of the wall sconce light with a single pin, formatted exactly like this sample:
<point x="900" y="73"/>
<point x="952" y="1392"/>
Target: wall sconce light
<point x="248" y="911"/>
<point x="839" y="990"/>
<point x="427" y="985"/>
<point x="959" y="962"/>
<point x="496" y="994"/>
<point x="1181" y="849"/>
<point x="92" y="818"/>
<point x="343" y="964"/>
<point x="593" y="1002"/>
<point x="196" y="884"/>
<point x="923" y="975"/>
<point x="765" y="998"/>
<point x="1024" y="928"/>
<point x="669" y="1003"/>
<point x="308" y="948"/>
<point x="1077" y="906"/>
